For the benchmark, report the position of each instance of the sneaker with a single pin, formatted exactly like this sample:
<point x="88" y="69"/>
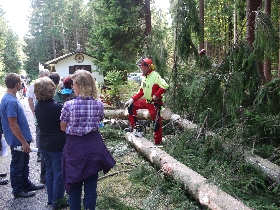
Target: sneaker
<point x="25" y="194"/>
<point x="3" y="175"/>
<point x="3" y="181"/>
<point x="139" y="130"/>
<point x="36" y="187"/>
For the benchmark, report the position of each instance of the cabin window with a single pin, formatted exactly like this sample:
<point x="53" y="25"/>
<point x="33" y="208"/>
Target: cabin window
<point x="72" y="69"/>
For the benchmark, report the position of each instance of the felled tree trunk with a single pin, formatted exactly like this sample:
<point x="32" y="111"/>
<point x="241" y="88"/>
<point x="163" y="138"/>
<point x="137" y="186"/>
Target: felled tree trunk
<point x="143" y="114"/>
<point x="271" y="170"/>
<point x="122" y="114"/>
<point x="197" y="186"/>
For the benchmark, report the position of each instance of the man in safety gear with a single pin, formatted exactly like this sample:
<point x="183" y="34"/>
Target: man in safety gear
<point x="152" y="88"/>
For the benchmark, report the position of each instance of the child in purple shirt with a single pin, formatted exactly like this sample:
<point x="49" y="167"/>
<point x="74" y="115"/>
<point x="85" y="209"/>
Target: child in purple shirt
<point x="85" y="153"/>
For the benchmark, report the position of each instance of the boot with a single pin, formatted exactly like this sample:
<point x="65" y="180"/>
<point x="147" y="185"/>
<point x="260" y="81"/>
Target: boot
<point x="130" y="129"/>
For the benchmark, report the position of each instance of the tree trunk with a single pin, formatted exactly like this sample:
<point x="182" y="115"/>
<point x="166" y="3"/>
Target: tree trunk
<point x="279" y="45"/>
<point x="234" y="24"/>
<point x="267" y="62"/>
<point x="122" y="114"/>
<point x="175" y="60"/>
<point x="267" y="69"/>
<point x="53" y="38"/>
<point x="63" y="35"/>
<point x="201" y="17"/>
<point x="143" y="114"/>
<point x="279" y="59"/>
<point x="207" y="194"/>
<point x="252" y="6"/>
<point x="148" y="18"/>
<point x="75" y="24"/>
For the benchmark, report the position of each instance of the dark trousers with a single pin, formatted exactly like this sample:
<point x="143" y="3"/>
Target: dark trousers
<point x="19" y="171"/>
<point x="90" y="194"/>
<point x="43" y="165"/>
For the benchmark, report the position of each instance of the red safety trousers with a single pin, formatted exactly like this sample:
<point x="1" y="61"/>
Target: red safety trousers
<point x="154" y="110"/>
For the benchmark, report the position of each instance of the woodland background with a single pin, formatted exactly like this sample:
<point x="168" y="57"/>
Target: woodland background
<point x="232" y="90"/>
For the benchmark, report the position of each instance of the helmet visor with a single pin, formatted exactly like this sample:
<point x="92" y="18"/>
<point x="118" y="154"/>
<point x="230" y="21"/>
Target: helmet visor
<point x="141" y="62"/>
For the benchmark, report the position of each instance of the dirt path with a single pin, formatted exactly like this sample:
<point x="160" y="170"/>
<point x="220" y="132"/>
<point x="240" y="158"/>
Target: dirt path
<point x="7" y="200"/>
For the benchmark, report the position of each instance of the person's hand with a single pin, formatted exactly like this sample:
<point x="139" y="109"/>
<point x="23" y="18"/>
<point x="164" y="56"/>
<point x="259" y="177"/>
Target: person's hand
<point x="26" y="148"/>
<point x="155" y="98"/>
<point x="128" y="103"/>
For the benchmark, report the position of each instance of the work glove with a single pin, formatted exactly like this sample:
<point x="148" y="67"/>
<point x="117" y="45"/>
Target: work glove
<point x="128" y="103"/>
<point x="155" y="98"/>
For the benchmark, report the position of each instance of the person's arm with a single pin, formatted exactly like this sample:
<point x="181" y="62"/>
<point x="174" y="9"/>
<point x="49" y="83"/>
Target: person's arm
<point x="63" y="126"/>
<point x="31" y="105"/>
<point x="138" y="95"/>
<point x="18" y="134"/>
<point x="31" y="96"/>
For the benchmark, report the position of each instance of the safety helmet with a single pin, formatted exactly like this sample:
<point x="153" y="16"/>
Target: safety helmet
<point x="145" y="62"/>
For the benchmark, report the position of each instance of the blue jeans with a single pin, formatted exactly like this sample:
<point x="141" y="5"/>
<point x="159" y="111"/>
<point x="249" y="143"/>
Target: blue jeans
<point x="19" y="171"/>
<point x="55" y="188"/>
<point x="90" y="194"/>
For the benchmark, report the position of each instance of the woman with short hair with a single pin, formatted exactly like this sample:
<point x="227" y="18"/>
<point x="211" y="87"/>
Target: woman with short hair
<point x="52" y="138"/>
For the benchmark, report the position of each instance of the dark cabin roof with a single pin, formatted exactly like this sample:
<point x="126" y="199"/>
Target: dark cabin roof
<point x="54" y="61"/>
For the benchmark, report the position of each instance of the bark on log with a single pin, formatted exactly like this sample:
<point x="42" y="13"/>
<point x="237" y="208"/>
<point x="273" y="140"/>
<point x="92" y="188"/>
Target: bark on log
<point x="122" y="114"/>
<point x="271" y="170"/>
<point x="143" y="114"/>
<point x="197" y="186"/>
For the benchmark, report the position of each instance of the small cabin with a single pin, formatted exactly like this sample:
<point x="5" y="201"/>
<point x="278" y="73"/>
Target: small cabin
<point x="67" y="64"/>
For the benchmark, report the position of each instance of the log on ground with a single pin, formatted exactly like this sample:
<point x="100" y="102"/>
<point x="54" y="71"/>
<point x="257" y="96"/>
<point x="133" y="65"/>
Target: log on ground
<point x="122" y="114"/>
<point x="197" y="186"/>
<point x="143" y="114"/>
<point x="271" y="170"/>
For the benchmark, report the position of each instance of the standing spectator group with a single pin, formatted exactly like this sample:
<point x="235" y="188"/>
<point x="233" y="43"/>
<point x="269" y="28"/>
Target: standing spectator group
<point x="73" y="153"/>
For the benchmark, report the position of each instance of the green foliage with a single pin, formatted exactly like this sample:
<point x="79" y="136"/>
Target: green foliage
<point x="266" y="44"/>
<point x="56" y="27"/>
<point x="114" y="78"/>
<point x="233" y="174"/>
<point x="117" y="34"/>
<point x="222" y="89"/>
<point x="11" y="56"/>
<point x="9" y="49"/>
<point x="186" y="23"/>
<point x="267" y="99"/>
